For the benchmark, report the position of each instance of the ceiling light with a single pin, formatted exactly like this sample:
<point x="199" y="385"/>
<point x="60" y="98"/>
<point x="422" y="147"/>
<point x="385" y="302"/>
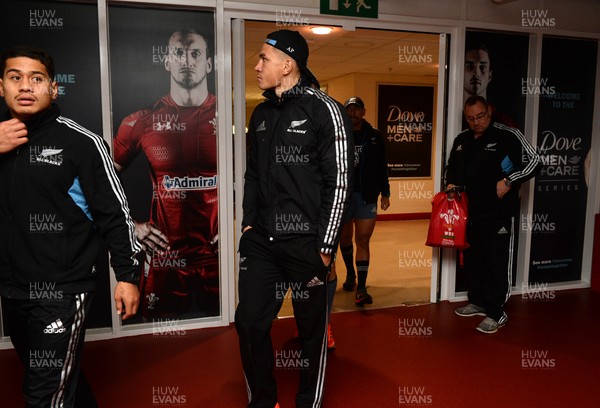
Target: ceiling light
<point x="321" y="30"/>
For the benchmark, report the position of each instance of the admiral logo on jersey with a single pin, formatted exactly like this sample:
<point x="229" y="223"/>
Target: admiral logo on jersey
<point x="189" y="183"/>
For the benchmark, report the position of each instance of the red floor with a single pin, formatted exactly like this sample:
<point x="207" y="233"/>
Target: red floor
<point x="548" y="355"/>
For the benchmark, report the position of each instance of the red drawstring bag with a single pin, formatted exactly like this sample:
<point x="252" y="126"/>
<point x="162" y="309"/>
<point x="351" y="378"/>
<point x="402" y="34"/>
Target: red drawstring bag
<point x="448" y="224"/>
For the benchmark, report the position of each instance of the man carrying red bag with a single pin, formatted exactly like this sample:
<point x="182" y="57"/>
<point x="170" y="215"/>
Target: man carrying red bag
<point x="491" y="160"/>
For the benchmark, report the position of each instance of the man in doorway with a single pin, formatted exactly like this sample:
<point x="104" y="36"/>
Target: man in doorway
<point x="370" y="181"/>
<point x="491" y="161"/>
<point x="60" y="199"/>
<point x="297" y="182"/>
<point x="178" y="136"/>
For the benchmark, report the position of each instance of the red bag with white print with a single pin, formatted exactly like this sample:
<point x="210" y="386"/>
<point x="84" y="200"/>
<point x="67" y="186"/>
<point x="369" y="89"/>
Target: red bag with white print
<point x="448" y="224"/>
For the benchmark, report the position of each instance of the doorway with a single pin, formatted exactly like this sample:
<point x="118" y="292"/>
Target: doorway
<point x="358" y="62"/>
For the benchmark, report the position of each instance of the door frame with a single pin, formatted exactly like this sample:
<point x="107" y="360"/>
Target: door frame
<point x="447" y="89"/>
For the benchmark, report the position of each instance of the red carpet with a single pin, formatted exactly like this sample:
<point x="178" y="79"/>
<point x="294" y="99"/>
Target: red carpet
<point x="423" y="356"/>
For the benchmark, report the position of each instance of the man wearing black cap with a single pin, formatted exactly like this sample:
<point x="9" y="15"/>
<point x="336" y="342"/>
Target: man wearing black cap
<point x="371" y="180"/>
<point x="297" y="186"/>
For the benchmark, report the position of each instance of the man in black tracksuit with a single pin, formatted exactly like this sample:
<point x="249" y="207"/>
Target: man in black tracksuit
<point x="370" y="180"/>
<point x="59" y="197"/>
<point x="492" y="161"/>
<point x="297" y="182"/>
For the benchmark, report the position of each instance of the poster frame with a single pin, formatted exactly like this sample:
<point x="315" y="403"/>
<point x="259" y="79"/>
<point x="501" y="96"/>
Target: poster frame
<point x="407" y="85"/>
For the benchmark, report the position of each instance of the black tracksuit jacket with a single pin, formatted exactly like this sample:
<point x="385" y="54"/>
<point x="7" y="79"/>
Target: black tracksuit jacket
<point x="59" y="196"/>
<point x="478" y="164"/>
<point x="299" y="166"/>
<point x="371" y="175"/>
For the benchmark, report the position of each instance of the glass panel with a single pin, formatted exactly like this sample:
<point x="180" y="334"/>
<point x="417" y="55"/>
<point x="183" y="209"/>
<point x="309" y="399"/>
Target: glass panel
<point x="164" y="107"/>
<point x="557" y="223"/>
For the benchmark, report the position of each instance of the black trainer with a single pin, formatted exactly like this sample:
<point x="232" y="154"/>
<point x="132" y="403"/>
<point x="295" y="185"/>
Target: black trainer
<point x="363" y="298"/>
<point x="349" y="284"/>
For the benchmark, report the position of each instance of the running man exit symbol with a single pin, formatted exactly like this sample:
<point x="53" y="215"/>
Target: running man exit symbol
<point x="352" y="8"/>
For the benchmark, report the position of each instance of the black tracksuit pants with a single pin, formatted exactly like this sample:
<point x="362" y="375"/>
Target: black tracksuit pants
<point x="267" y="270"/>
<point x="48" y="337"/>
<point x="488" y="263"/>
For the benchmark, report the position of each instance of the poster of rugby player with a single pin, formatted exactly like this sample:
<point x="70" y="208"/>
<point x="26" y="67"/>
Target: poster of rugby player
<point x="165" y="131"/>
<point x="495" y="68"/>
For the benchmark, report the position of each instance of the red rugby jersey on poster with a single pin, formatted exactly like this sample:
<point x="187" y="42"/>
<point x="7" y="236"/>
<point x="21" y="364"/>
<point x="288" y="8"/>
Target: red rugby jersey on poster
<point x="181" y="146"/>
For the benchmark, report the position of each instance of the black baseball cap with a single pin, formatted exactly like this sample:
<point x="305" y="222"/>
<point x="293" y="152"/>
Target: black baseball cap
<point x="355" y="100"/>
<point x="293" y="44"/>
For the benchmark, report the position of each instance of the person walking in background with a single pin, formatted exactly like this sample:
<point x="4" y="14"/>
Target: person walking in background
<point x="370" y="180"/>
<point x="491" y="161"/>
<point x="178" y="136"/>
<point x="297" y="182"/>
<point x="60" y="198"/>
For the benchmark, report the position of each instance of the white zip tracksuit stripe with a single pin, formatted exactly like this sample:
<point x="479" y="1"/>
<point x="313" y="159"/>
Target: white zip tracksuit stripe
<point x="511" y="250"/>
<point x="335" y="219"/>
<point x="528" y="149"/>
<point x="341" y="154"/>
<point x="322" y="366"/>
<point x="112" y="177"/>
<point x="76" y="331"/>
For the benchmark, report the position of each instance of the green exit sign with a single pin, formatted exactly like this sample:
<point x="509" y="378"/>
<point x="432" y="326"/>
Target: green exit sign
<point x="351" y="8"/>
